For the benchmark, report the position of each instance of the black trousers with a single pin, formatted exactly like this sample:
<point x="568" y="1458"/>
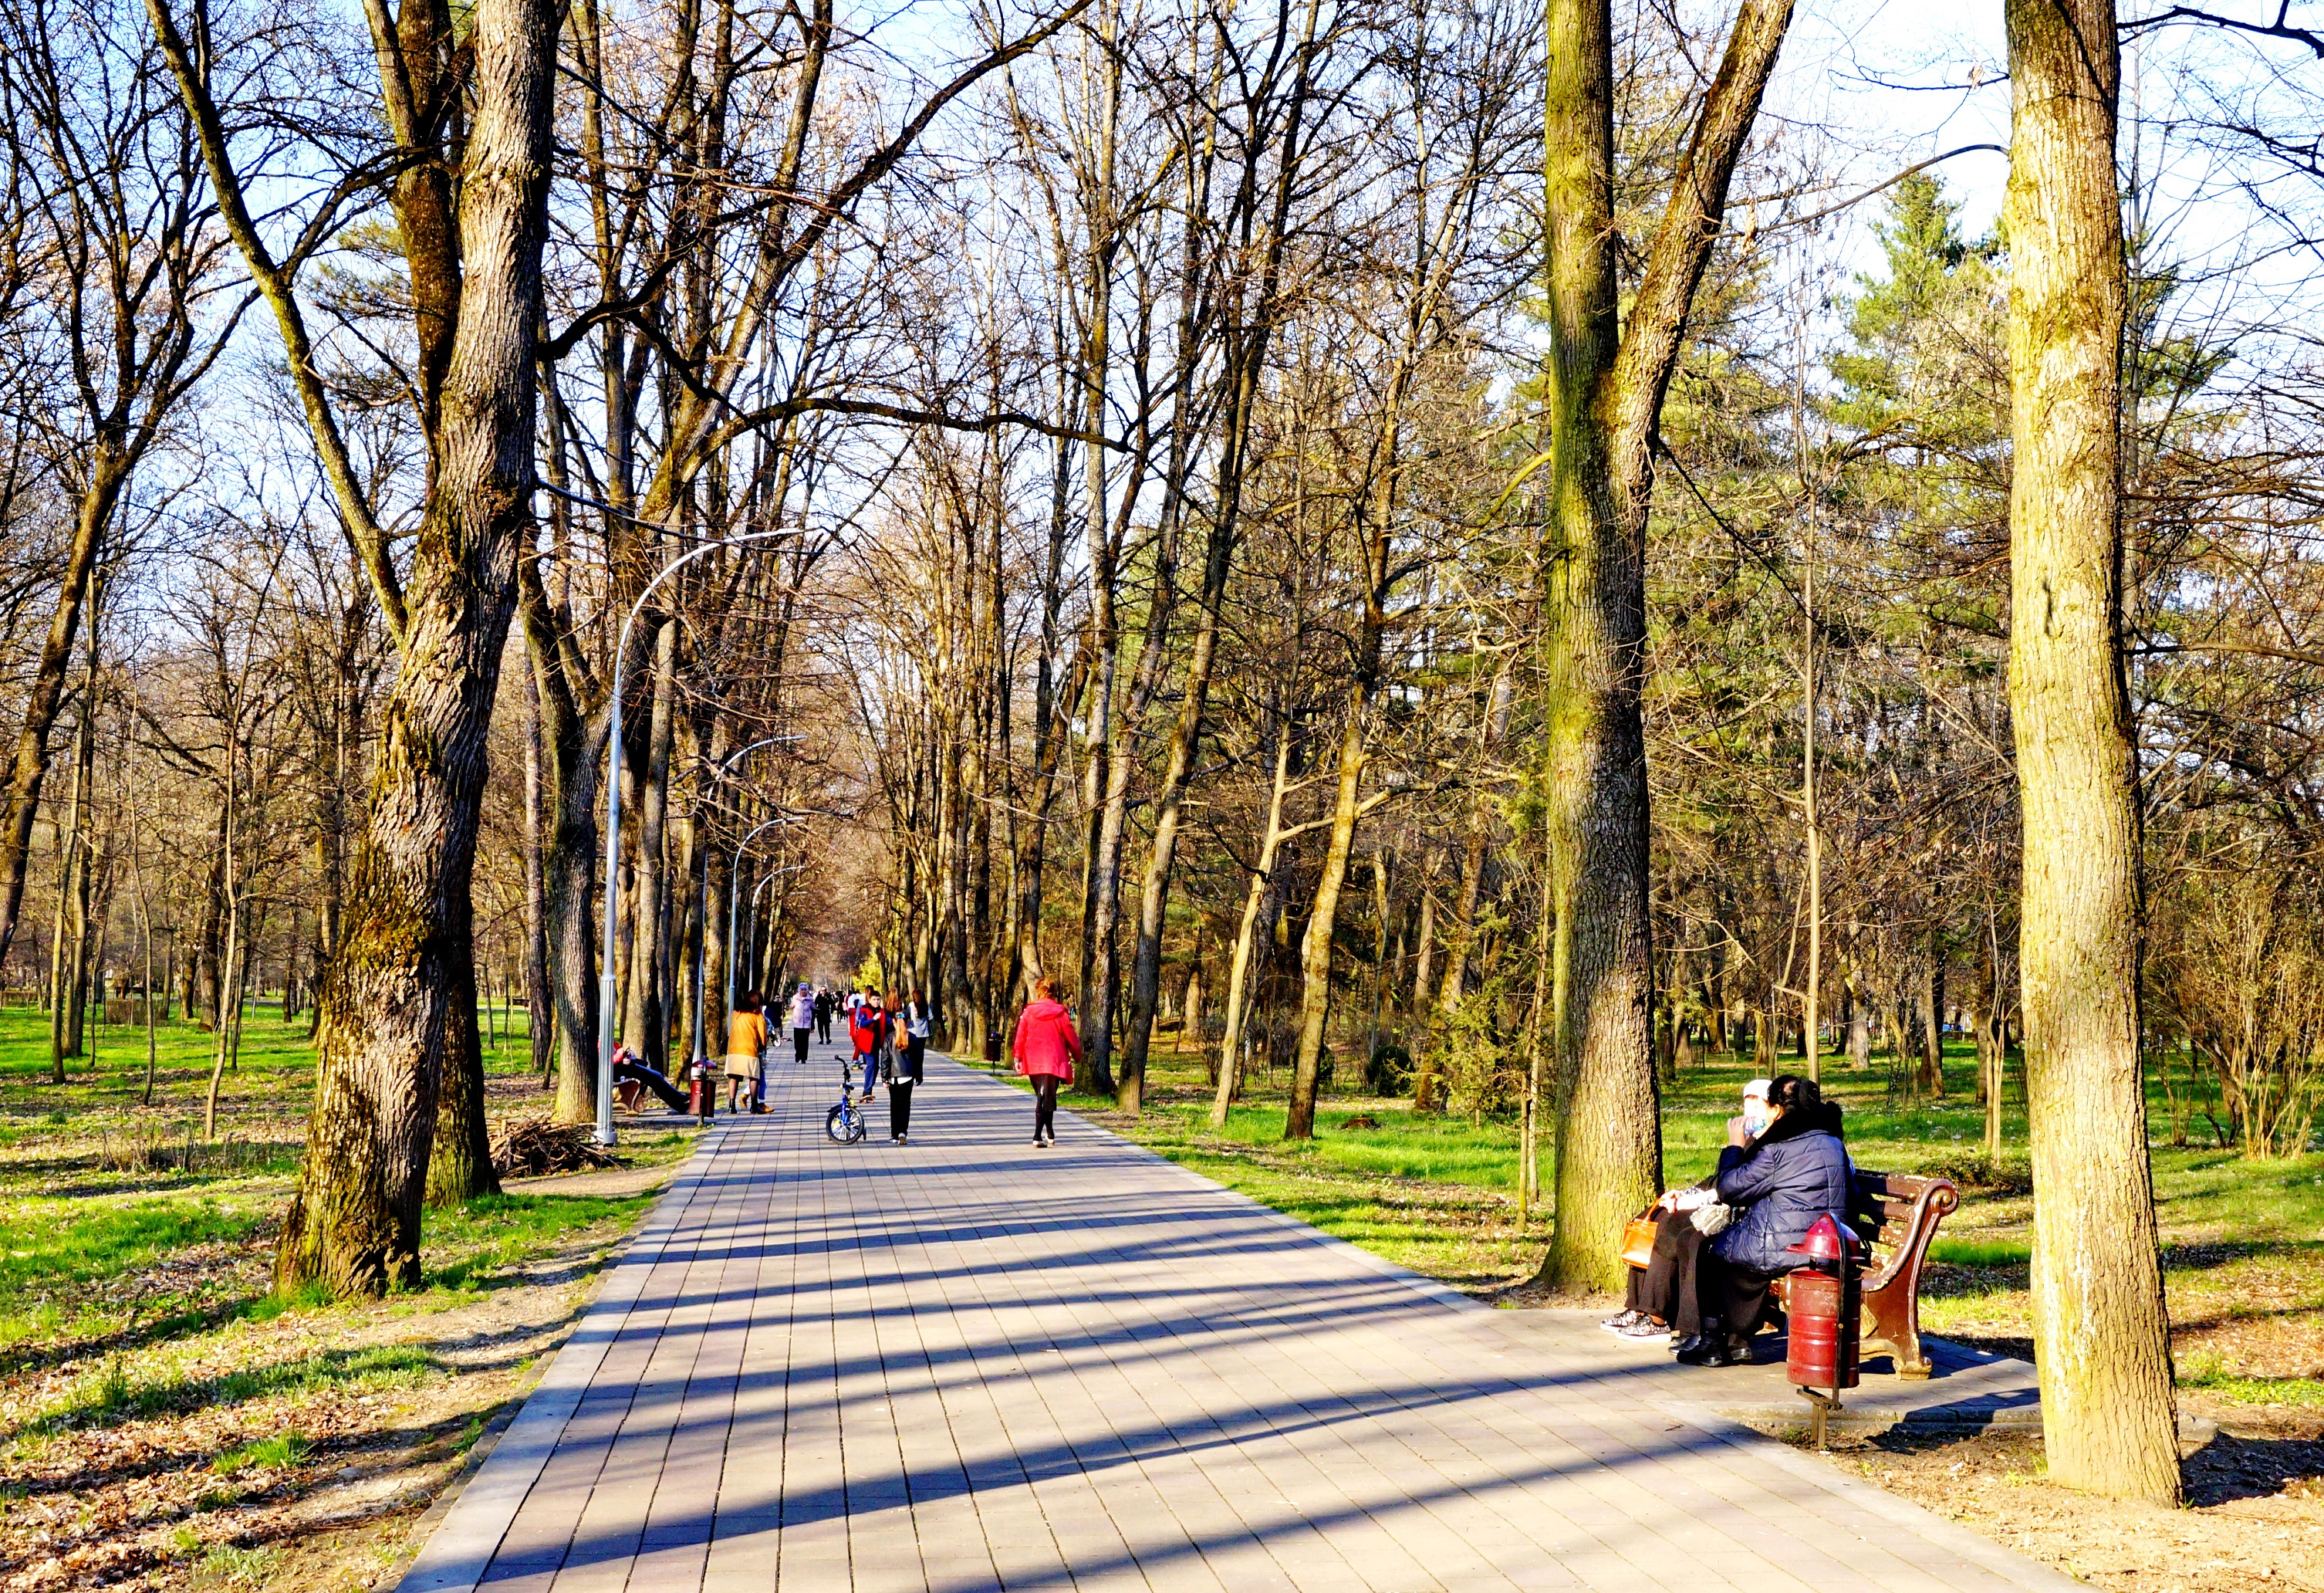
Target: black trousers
<point x="1737" y="1295"/>
<point x="823" y="1027"/>
<point x="900" y="1107"/>
<point x="798" y="1042"/>
<point x="1668" y="1290"/>
<point x="1044" y="1106"/>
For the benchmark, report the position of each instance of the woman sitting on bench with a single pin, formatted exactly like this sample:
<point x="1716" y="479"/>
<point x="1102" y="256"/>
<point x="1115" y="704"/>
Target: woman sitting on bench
<point x="1779" y="1184"/>
<point x="1664" y="1291"/>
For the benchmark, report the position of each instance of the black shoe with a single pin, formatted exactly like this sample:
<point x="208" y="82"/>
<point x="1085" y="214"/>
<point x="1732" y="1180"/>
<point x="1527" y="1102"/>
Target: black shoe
<point x="1706" y="1352"/>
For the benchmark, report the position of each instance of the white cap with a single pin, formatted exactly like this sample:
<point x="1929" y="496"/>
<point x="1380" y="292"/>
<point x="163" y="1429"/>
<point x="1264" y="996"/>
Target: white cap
<point x="1758" y="1087"/>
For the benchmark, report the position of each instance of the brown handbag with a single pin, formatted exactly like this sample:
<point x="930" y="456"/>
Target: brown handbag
<point x="1639" y="1240"/>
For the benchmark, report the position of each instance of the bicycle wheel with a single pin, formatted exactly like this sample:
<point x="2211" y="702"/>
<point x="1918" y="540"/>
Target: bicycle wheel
<point x="838" y="1121"/>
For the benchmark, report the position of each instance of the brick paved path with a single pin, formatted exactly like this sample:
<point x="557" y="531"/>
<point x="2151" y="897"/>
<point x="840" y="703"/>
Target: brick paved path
<point x="965" y="1363"/>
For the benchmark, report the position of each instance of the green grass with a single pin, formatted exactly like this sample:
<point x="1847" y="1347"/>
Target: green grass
<point x="282" y="1450"/>
<point x="1437" y="1194"/>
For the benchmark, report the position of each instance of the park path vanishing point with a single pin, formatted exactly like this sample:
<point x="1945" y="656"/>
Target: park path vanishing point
<point x="965" y="1363"/>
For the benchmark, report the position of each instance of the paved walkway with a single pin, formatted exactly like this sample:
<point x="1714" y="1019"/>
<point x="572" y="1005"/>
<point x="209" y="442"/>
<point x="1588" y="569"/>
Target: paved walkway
<point x="965" y="1363"/>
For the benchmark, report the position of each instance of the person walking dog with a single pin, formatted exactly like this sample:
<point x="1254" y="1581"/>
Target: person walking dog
<point x="1046" y="1049"/>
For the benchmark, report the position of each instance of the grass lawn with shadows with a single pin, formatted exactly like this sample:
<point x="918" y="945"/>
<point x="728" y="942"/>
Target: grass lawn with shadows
<point x="167" y="1420"/>
<point x="2244" y="1257"/>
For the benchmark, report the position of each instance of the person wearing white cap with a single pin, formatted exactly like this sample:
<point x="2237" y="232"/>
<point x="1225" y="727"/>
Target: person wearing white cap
<point x="1662" y="1299"/>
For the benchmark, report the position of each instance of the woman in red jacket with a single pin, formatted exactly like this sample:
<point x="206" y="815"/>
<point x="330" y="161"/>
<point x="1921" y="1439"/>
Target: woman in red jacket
<point x="1046" y="1049"/>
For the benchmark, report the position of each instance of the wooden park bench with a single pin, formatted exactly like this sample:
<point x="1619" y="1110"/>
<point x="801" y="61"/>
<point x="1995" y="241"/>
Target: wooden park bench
<point x="1899" y="1211"/>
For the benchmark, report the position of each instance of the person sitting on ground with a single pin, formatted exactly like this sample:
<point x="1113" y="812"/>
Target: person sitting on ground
<point x="1780" y="1183"/>
<point x="1046" y="1049"/>
<point x="746" y="1037"/>
<point x="1664" y="1294"/>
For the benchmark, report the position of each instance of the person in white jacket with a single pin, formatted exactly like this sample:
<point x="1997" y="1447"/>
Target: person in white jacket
<point x="802" y="1019"/>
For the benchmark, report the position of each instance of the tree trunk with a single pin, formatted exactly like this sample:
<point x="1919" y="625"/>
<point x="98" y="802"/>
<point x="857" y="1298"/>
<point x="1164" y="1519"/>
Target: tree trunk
<point x="1238" y="1012"/>
<point x="388" y="1000"/>
<point x="537" y="998"/>
<point x="2101" y="1338"/>
<point x="642" y="1016"/>
<point x="109" y="466"/>
<point x="1607" y="380"/>
<point x="460" y="1162"/>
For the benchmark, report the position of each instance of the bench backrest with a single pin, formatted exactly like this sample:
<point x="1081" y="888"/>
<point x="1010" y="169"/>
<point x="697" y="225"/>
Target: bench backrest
<point x="1900" y="1211"/>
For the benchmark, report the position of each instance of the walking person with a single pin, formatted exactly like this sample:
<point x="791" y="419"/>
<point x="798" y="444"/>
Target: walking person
<point x="1046" y="1049"/>
<point x="867" y="1026"/>
<point x="746" y="1037"/>
<point x="802" y="1019"/>
<point x="823" y="1006"/>
<point x="911" y="1044"/>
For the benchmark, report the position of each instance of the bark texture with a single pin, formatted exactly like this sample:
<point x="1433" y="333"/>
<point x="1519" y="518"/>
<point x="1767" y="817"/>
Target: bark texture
<point x="389" y="1000"/>
<point x="1606" y="385"/>
<point x="2100" y="1334"/>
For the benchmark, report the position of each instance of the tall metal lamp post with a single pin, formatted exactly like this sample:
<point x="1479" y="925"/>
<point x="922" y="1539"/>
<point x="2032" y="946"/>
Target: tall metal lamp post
<point x="606" y="1016"/>
<point x="701" y="1057"/>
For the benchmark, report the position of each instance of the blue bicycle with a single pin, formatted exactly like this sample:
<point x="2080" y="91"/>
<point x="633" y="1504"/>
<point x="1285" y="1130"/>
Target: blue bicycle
<point x="844" y="1123"/>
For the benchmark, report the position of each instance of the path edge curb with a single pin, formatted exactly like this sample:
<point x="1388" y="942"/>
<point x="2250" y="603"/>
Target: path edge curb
<point x="460" y="1549"/>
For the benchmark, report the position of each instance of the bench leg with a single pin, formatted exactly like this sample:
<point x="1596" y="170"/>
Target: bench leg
<point x="1892" y="1318"/>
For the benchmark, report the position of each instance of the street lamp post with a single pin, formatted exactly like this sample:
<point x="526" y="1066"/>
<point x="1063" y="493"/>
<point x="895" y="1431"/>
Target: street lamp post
<point x="733" y="890"/>
<point x="606" y="1016"/>
<point x="749" y="933"/>
<point x="701" y="1056"/>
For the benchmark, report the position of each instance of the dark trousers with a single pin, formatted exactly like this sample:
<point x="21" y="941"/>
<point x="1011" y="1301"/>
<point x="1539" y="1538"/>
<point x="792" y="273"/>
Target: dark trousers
<point x="672" y="1096"/>
<point x="823" y="1027"/>
<point x="798" y="1042"/>
<point x="1737" y="1295"/>
<point x="1044" y="1106"/>
<point x="900" y="1109"/>
<point x="1668" y="1290"/>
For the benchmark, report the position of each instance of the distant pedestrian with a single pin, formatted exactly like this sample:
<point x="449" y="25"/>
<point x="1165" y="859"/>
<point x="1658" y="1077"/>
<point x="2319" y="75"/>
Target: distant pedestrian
<point x="824" y="1002"/>
<point x="1046" y="1049"/>
<point x="911" y="1044"/>
<point x="802" y="1019"/>
<point x="746" y="1037"/>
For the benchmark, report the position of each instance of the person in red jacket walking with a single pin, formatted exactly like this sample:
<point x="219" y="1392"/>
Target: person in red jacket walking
<point x="1046" y="1049"/>
<point x="867" y="1027"/>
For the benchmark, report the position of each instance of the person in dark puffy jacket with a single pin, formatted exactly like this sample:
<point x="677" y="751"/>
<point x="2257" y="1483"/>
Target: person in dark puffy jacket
<point x="1778" y="1182"/>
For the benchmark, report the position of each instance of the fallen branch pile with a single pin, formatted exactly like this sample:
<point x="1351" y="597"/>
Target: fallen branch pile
<point x="532" y="1147"/>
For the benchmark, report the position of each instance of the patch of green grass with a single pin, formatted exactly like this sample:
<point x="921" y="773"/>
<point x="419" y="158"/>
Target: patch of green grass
<point x="282" y="1450"/>
<point x="226" y="1566"/>
<point x="2213" y="1376"/>
<point x="1980" y="1253"/>
<point x="170" y="1390"/>
<point x="491" y="1234"/>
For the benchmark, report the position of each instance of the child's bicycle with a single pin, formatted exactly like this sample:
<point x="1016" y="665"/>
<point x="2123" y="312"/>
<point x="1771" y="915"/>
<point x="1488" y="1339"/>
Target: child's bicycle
<point x="844" y="1123"/>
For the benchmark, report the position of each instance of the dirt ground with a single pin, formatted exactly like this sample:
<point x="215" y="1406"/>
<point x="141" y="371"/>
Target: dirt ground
<point x="2253" y="1517"/>
<point x="309" y="1481"/>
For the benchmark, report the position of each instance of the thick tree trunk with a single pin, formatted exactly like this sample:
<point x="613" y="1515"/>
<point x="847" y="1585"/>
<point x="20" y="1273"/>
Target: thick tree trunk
<point x="1607" y="380"/>
<point x="2101" y="1337"/>
<point x="389" y="998"/>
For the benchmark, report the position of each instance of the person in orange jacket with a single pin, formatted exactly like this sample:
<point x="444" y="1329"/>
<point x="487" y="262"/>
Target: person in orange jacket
<point x="1046" y="1049"/>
